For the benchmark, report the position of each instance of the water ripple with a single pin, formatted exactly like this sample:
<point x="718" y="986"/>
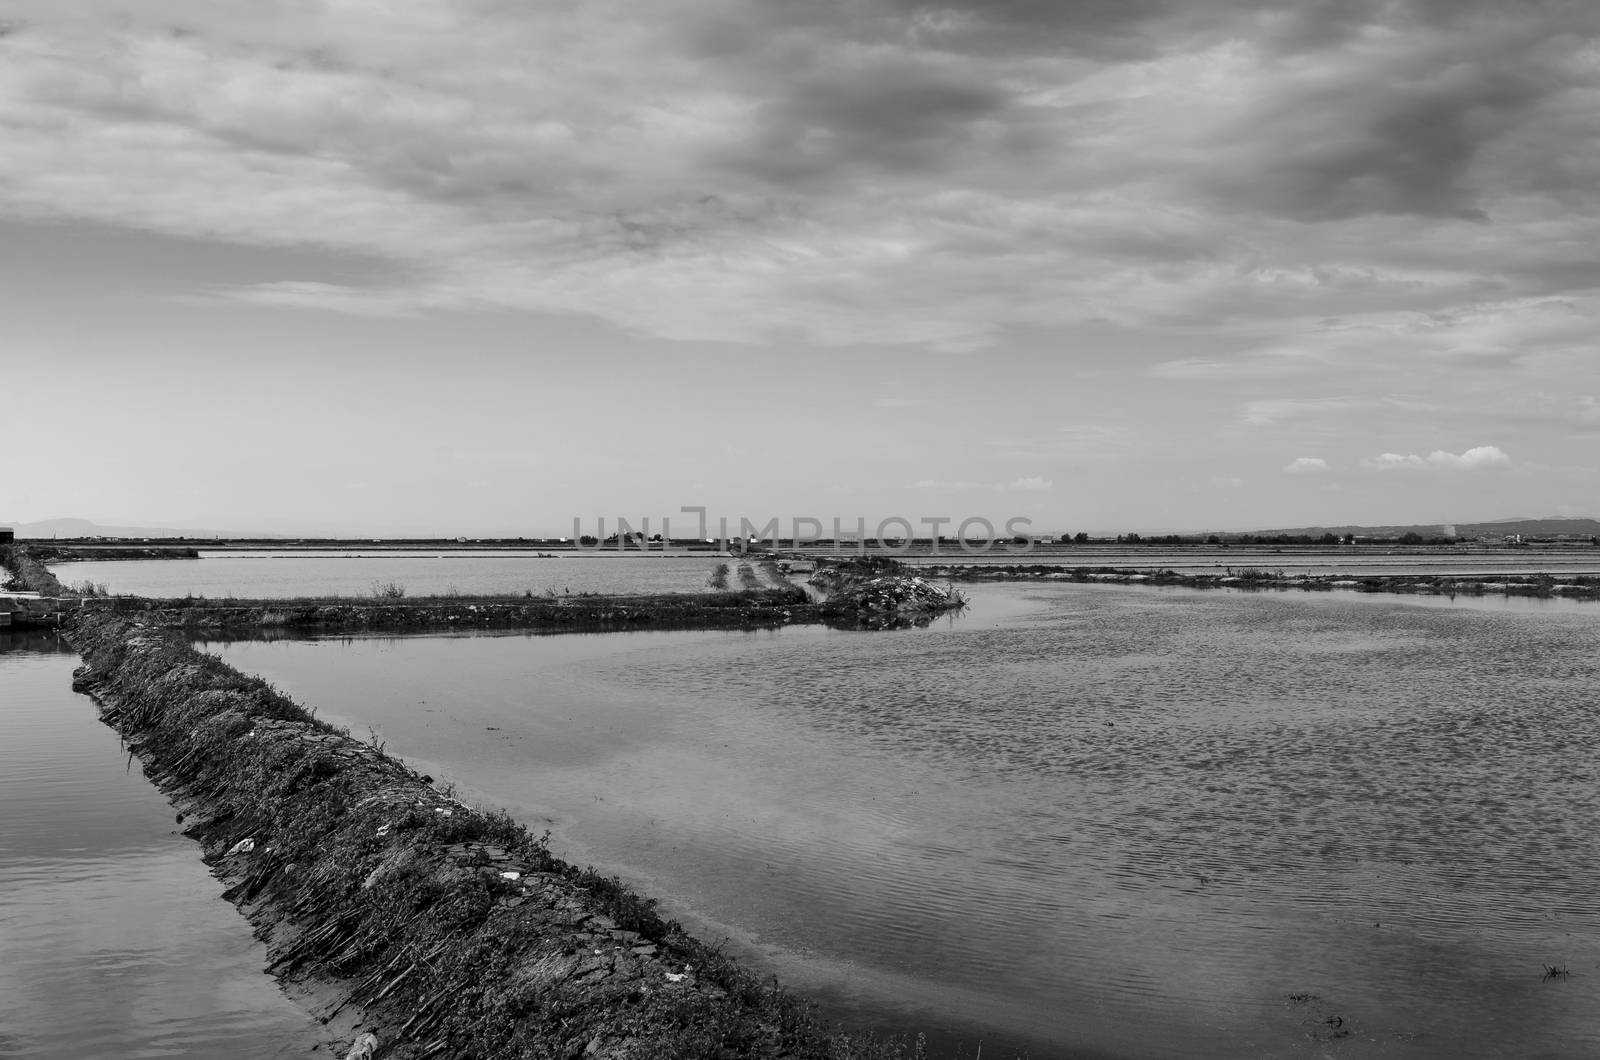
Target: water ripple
<point x="1113" y="819"/>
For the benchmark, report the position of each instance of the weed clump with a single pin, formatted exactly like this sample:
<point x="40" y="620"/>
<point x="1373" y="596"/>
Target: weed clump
<point x="28" y="574"/>
<point x="1256" y="574"/>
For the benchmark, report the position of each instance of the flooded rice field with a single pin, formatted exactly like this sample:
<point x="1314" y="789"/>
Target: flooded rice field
<point x="1078" y="821"/>
<point x="114" y="941"/>
<point x="280" y="575"/>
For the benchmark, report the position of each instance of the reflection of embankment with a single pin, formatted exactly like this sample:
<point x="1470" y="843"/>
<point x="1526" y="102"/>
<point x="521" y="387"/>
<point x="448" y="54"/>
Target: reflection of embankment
<point x="451" y="931"/>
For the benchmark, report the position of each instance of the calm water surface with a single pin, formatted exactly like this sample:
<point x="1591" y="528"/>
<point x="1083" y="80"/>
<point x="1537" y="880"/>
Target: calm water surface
<point x="1084" y="820"/>
<point x="276" y="575"/>
<point x="114" y="941"/>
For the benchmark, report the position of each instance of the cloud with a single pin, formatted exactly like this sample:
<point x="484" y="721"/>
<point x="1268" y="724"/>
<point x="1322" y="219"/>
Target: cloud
<point x="871" y="172"/>
<point x="1480" y="458"/>
<point x="307" y="294"/>
<point x="1030" y="484"/>
<point x="1483" y="457"/>
<point x="1267" y="412"/>
<point x="950" y="485"/>
<point x="1306" y="465"/>
<point x="1213" y="369"/>
<point x="1395" y="462"/>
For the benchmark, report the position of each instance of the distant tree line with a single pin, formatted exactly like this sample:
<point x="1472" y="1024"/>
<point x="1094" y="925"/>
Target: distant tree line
<point x="1305" y="540"/>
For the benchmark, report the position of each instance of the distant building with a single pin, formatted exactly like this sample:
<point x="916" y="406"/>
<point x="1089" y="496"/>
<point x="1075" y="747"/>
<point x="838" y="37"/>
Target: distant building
<point x="7" y="535"/>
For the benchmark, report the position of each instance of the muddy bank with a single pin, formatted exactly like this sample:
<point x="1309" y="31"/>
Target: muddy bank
<point x="443" y="930"/>
<point x="1521" y="584"/>
<point x="26" y="573"/>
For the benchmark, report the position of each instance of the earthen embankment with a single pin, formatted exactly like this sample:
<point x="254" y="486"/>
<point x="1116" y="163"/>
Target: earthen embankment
<point x="761" y="609"/>
<point x="449" y="931"/>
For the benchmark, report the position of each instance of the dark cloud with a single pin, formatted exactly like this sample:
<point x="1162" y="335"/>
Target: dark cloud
<point x="900" y="117"/>
<point x="1404" y="127"/>
<point x="1318" y="25"/>
<point x="1401" y="99"/>
<point x="1350" y="150"/>
<point x="1105" y="28"/>
<point x="1109" y="30"/>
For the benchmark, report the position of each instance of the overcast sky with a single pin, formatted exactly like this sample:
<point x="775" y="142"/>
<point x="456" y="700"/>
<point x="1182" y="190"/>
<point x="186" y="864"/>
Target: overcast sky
<point x="382" y="266"/>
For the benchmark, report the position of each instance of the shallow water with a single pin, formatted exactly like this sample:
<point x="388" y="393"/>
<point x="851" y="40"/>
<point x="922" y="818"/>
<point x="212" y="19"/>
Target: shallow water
<point x="277" y="575"/>
<point x="114" y="941"/>
<point x="1083" y="820"/>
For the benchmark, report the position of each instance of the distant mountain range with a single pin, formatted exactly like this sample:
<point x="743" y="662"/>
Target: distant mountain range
<point x="1497" y="528"/>
<point x="85" y="528"/>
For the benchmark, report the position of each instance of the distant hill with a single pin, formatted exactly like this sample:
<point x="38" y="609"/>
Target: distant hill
<point x="69" y="528"/>
<point x="1538" y="527"/>
<point x="1498" y="528"/>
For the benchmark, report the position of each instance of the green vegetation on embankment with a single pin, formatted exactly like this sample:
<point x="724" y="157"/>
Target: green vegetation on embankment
<point x="453" y="931"/>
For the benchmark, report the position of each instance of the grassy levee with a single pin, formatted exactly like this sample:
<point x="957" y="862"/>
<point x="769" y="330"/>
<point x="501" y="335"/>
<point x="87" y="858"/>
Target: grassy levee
<point x="762" y="609"/>
<point x="28" y="574"/>
<point x="451" y="931"/>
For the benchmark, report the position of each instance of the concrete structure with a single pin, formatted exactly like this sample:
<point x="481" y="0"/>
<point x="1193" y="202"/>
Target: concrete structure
<point x="29" y="610"/>
<point x="7" y="535"/>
